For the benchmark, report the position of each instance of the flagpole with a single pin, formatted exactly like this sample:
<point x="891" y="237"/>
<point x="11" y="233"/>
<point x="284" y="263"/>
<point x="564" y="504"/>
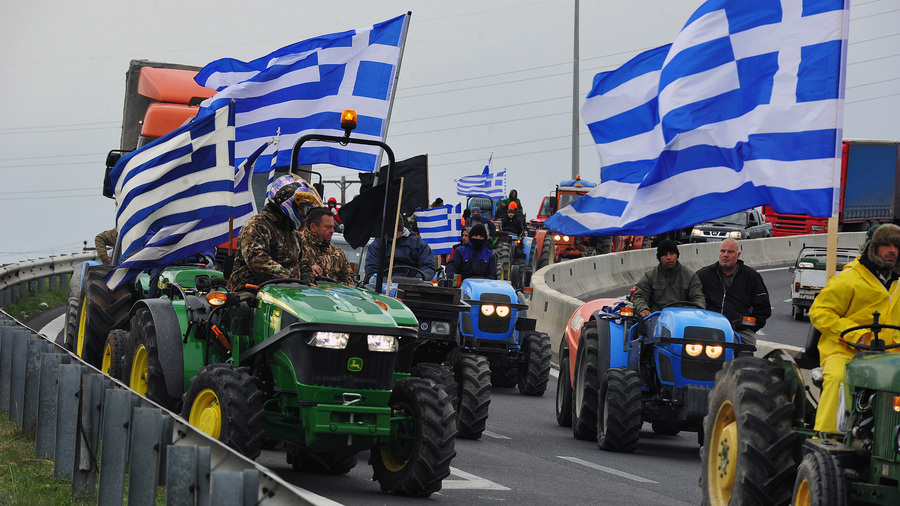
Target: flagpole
<point x="575" y="125"/>
<point x="394" y="241"/>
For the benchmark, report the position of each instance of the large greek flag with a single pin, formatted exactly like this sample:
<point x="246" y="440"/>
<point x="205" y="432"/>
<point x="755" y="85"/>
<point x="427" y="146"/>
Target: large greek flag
<point x="745" y="108"/>
<point x="304" y="87"/>
<point x="439" y="227"/>
<point x="176" y="195"/>
<point x="486" y="184"/>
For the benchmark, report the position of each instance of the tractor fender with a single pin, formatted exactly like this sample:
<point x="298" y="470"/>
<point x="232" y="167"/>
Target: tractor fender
<point x="612" y="343"/>
<point x="168" y="338"/>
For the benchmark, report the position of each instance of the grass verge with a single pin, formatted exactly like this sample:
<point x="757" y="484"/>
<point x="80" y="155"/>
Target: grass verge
<point x="35" y="303"/>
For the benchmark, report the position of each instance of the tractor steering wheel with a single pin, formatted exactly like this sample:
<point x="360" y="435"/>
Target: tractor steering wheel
<point x="417" y="273"/>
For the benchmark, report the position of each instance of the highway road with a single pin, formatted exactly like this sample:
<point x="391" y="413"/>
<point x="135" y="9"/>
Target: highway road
<point x="524" y="457"/>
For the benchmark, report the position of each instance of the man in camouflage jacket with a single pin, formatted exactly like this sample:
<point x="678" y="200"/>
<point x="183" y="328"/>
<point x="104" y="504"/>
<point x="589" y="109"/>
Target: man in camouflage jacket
<point x="103" y="241"/>
<point x="325" y="258"/>
<point x="268" y="247"/>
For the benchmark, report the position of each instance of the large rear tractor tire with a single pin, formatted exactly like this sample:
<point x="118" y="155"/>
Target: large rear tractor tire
<point x="225" y="402"/>
<point x="146" y="362"/>
<point x="586" y="386"/>
<point x="619" y="420"/>
<point x="473" y="375"/>
<point x="564" y="395"/>
<point x="749" y="446"/>
<point x="417" y="457"/>
<point x="820" y="481"/>
<point x="102" y="310"/>
<point x="534" y="374"/>
<point x="548" y="252"/>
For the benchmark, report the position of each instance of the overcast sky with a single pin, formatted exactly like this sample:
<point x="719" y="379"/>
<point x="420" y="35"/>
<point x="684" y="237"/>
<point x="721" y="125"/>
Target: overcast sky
<point x="477" y="77"/>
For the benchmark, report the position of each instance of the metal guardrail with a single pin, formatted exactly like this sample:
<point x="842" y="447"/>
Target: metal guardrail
<point x="19" y="280"/>
<point x="98" y="432"/>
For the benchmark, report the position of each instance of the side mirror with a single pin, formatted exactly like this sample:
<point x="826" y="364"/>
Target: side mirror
<point x="112" y="158"/>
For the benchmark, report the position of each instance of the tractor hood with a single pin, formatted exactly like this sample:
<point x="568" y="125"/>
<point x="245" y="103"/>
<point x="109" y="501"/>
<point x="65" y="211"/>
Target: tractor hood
<point x="496" y="291"/>
<point x="879" y="372"/>
<point x="691" y="323"/>
<point x="337" y="303"/>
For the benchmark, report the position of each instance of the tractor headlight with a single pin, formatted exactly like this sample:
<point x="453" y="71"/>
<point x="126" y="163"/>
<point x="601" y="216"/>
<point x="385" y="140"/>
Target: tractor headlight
<point x="693" y="350"/>
<point x="502" y="311"/>
<point x="332" y="340"/>
<point x="714" y="351"/>
<point x="487" y="309"/>
<point x="557" y="237"/>
<point x="440" y="328"/>
<point x="378" y="342"/>
<point x="565" y="238"/>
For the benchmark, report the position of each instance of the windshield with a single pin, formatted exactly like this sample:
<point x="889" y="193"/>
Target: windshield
<point x="733" y="219"/>
<point x="567" y="198"/>
<point x="548" y="206"/>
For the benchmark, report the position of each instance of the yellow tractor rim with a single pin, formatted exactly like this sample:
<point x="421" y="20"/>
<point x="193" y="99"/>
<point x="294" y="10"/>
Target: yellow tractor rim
<point x="107" y="359"/>
<point x="138" y="379"/>
<point x="82" y="328"/>
<point x="395" y="460"/>
<point x="722" y="461"/>
<point x="802" y="497"/>
<point x="206" y="414"/>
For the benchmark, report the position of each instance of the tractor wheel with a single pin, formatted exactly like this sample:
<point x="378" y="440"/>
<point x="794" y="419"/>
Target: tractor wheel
<point x="224" y="402"/>
<point x="548" y="252"/>
<point x="503" y="254"/>
<point x="416" y="458"/>
<point x="665" y="429"/>
<point x="564" y="395"/>
<point x="73" y="310"/>
<point x="102" y="310"/>
<point x="113" y="353"/>
<point x="319" y="463"/>
<point x="820" y="481"/>
<point x="504" y="377"/>
<point x="535" y="373"/>
<point x="443" y="376"/>
<point x="134" y="363"/>
<point x="517" y="276"/>
<point x="146" y="363"/>
<point x="797" y="312"/>
<point x="473" y="375"/>
<point x="619" y="420"/>
<point x="749" y="447"/>
<point x="533" y="260"/>
<point x="586" y="387"/>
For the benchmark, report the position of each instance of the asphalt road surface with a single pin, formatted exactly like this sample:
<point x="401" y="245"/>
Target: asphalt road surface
<point x="524" y="457"/>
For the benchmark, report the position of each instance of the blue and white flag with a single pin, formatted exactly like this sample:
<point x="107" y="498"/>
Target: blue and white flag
<point x="439" y="227"/>
<point x="486" y="184"/>
<point x="303" y="88"/>
<point x="745" y="108"/>
<point x="176" y="195"/>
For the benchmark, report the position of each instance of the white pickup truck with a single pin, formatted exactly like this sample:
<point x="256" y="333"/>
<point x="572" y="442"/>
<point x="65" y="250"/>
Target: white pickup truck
<point x="809" y="276"/>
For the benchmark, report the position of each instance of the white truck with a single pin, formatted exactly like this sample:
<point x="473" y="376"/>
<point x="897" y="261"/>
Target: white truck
<point x="810" y="276"/>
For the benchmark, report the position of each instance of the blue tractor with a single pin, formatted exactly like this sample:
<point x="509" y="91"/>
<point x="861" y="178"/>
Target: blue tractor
<point x="618" y="371"/>
<point x="497" y="327"/>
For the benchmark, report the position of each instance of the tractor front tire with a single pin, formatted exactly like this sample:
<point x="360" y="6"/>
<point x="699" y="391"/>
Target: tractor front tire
<point x="443" y="376"/>
<point x="417" y="458"/>
<point x="534" y="374"/>
<point x="820" y="481"/>
<point x="73" y="310"/>
<point x="586" y="386"/>
<point x="114" y="353"/>
<point x="143" y="326"/>
<point x="473" y="375"/>
<point x="749" y="446"/>
<point x="548" y="252"/>
<point x="225" y="402"/>
<point x="564" y="395"/>
<point x="619" y="420"/>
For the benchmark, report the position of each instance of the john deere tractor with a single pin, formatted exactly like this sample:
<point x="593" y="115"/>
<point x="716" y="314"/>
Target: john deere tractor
<point x="760" y="445"/>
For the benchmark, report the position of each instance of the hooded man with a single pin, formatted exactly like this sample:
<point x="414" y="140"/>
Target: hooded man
<point x="473" y="259"/>
<point x="666" y="283"/>
<point x="848" y="300"/>
<point x="411" y="251"/>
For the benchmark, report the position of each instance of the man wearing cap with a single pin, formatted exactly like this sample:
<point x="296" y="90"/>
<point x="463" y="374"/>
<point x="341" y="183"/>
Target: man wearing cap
<point x="513" y="221"/>
<point x="736" y="290"/>
<point x="666" y="283"/>
<point x="478" y="218"/>
<point x="848" y="300"/>
<point x="473" y="259"/>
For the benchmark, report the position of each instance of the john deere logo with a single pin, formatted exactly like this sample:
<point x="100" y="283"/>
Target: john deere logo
<point x="355" y="364"/>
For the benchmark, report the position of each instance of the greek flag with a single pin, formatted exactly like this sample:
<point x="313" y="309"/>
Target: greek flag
<point x="176" y="195"/>
<point x="304" y="87"/>
<point x="486" y="184"/>
<point x="439" y="227"/>
<point x="745" y="108"/>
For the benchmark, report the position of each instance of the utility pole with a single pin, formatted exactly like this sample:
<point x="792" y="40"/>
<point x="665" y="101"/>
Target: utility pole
<point x="575" y="119"/>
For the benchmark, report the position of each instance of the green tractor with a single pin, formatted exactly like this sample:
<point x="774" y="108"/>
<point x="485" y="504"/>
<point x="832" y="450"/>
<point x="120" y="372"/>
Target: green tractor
<point x="760" y="446"/>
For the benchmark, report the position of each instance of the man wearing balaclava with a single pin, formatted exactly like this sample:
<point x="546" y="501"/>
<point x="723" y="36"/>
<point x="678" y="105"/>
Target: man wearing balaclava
<point x="473" y="259"/>
<point x="667" y="282"/>
<point x="848" y="300"/>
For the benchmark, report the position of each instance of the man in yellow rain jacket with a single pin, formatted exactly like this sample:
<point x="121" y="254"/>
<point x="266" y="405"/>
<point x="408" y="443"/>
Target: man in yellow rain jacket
<point x="848" y="300"/>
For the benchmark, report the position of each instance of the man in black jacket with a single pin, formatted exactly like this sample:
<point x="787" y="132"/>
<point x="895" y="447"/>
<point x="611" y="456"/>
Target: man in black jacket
<point x="736" y="290"/>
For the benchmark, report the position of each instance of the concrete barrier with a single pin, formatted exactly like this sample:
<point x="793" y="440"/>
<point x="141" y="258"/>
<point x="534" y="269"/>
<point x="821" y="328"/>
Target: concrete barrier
<point x="560" y="288"/>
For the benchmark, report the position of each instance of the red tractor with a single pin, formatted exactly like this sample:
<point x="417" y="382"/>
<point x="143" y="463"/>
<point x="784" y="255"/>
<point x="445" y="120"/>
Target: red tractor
<point x="562" y="246"/>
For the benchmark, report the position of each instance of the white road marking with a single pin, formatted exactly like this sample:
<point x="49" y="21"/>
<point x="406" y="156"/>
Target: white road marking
<point x="772" y="269"/>
<point x="469" y="482"/>
<point x="52" y="329"/>
<point x="605" y="469"/>
<point x="786" y="300"/>
<point x="494" y="435"/>
<point x="554" y="372"/>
